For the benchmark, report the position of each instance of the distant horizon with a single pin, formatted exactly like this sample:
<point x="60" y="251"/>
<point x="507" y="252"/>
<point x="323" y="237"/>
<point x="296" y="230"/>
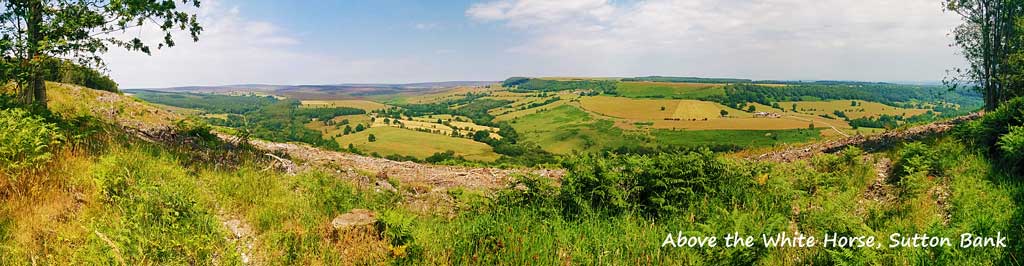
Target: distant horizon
<point x="902" y="82"/>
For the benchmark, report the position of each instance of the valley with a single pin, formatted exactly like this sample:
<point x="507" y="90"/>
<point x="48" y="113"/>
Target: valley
<point x="560" y="116"/>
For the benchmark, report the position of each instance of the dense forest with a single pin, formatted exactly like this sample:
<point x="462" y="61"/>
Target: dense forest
<point x="212" y="103"/>
<point x="890" y="94"/>
<point x="520" y="84"/>
<point x="687" y="79"/>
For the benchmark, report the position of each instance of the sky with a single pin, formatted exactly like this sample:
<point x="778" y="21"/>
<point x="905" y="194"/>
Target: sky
<point x="392" y="41"/>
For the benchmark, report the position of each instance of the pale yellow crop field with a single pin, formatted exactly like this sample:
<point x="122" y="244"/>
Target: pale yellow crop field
<point x="360" y="104"/>
<point x="651" y="109"/>
<point x="628" y="108"/>
<point x="434" y="127"/>
<point x="863" y="109"/>
<point x="392" y="140"/>
<point x="693" y="109"/>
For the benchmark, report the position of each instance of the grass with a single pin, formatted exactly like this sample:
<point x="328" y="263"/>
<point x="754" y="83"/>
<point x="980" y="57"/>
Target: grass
<point x="742" y="138"/>
<point x="392" y="140"/>
<point x="635" y="89"/>
<point x="566" y="128"/>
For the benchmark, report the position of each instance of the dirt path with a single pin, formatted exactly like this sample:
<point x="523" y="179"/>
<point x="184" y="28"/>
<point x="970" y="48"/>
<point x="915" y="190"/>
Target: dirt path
<point x="869" y="143"/>
<point x="827" y="124"/>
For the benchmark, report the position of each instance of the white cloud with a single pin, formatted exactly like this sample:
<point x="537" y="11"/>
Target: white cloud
<point x="235" y="49"/>
<point x="849" y="39"/>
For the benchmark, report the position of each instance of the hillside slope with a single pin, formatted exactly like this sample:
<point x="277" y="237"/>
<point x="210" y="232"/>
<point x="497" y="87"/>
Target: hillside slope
<point x="151" y="122"/>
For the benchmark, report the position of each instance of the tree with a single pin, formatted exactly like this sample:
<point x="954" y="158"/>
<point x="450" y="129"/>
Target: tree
<point x="33" y="30"/>
<point x="371" y="138"/>
<point x="751" y="108"/>
<point x="987" y="38"/>
<point x="482" y="136"/>
<point x="348" y="129"/>
<point x="360" y="127"/>
<point x="724" y="113"/>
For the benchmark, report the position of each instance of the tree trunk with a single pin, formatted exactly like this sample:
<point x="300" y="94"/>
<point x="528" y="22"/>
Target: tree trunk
<point x="36" y="86"/>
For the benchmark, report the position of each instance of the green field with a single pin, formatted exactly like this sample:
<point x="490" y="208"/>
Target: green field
<point x="741" y="138"/>
<point x="566" y="128"/>
<point x="399" y="141"/>
<point x="669" y="90"/>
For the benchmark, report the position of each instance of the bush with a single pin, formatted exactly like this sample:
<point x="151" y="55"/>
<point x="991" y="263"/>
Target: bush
<point x="396" y="227"/>
<point x="1012" y="147"/>
<point x="997" y="123"/>
<point x="26" y="140"/>
<point x="530" y="190"/>
<point x="915" y="157"/>
<point x="655" y="185"/>
<point x="912" y="169"/>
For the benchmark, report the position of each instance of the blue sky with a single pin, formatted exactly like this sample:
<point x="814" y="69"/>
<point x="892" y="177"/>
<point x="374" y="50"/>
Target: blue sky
<point x="387" y="41"/>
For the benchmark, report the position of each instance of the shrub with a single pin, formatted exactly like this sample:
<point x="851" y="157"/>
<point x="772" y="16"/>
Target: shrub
<point x="915" y="157"/>
<point x="530" y="190"/>
<point x="438" y="157"/>
<point x="26" y="140"/>
<point x="997" y="123"/>
<point x="1012" y="146"/>
<point x="196" y="129"/>
<point x="396" y="227"/>
<point x="656" y="185"/>
<point x="915" y="163"/>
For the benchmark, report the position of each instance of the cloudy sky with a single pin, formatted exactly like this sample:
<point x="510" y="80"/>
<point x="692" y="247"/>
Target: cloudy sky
<point x="393" y="41"/>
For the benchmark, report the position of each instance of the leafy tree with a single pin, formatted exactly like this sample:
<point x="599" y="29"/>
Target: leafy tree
<point x="724" y="113"/>
<point x="32" y="30"/>
<point x="371" y="138"/>
<point x="987" y="38"/>
<point x="483" y="136"/>
<point x="360" y="127"/>
<point x="751" y="108"/>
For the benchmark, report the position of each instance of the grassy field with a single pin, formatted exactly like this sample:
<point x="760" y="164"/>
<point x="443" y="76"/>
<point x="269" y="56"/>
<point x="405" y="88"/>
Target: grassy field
<point x="566" y="128"/>
<point x="520" y="113"/>
<point x="694" y="115"/>
<point x="669" y="90"/>
<point x="743" y="138"/>
<point x="359" y="104"/>
<point x="863" y="108"/>
<point x="655" y="109"/>
<point x="391" y="140"/>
